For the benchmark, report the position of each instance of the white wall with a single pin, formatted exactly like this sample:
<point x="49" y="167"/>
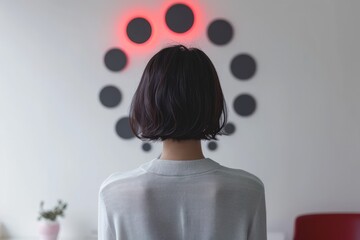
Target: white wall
<point x="58" y="141"/>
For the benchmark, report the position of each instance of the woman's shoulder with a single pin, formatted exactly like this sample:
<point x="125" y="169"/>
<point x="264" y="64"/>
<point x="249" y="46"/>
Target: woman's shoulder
<point x="119" y="177"/>
<point x="243" y="177"/>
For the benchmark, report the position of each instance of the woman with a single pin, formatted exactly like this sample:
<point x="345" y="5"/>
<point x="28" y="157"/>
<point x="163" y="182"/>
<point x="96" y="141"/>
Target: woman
<point x="181" y="194"/>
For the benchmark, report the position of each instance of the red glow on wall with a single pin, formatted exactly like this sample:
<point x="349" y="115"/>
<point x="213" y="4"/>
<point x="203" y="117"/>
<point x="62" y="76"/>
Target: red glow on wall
<point x="161" y="34"/>
<point x="125" y="43"/>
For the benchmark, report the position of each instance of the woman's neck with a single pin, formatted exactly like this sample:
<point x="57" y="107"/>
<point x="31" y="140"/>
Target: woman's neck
<point x="182" y="150"/>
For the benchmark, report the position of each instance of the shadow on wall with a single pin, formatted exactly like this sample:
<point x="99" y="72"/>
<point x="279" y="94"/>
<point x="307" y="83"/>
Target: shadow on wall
<point x="3" y="232"/>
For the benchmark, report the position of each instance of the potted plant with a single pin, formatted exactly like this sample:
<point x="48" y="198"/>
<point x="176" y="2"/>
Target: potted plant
<point x="49" y="226"/>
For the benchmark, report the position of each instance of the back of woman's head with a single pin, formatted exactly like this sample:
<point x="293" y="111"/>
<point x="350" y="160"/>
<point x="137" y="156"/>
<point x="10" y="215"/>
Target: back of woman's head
<point x="179" y="97"/>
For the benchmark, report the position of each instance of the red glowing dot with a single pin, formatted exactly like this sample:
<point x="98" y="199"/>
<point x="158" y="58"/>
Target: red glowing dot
<point x="179" y="18"/>
<point x="138" y="30"/>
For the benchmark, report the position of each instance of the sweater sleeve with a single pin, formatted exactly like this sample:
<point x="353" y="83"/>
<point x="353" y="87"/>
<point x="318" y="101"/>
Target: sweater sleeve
<point x="258" y="229"/>
<point x="105" y="232"/>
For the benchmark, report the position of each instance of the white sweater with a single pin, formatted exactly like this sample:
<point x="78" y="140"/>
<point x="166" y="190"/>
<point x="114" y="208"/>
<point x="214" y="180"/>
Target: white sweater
<point x="182" y="200"/>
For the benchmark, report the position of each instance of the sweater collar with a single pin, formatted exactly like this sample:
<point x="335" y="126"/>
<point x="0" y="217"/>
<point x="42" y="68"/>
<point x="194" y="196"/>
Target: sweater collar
<point x="179" y="167"/>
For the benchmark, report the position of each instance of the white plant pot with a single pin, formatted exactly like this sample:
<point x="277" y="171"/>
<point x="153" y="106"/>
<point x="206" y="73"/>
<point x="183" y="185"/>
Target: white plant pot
<point x="48" y="230"/>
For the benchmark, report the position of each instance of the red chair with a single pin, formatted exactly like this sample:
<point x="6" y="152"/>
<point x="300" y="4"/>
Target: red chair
<point x="327" y="226"/>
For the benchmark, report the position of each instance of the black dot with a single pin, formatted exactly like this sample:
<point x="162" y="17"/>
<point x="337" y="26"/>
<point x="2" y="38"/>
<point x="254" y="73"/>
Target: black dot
<point x="110" y="96"/>
<point x="179" y="18"/>
<point x="244" y="105"/>
<point x="146" y="147"/>
<point x="115" y="59"/>
<point x="138" y="30"/>
<point x="230" y="128"/>
<point x="212" y="146"/>
<point x="243" y="66"/>
<point x="123" y="128"/>
<point x="220" y="32"/>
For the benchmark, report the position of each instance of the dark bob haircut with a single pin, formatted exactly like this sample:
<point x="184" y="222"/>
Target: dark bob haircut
<point x="179" y="97"/>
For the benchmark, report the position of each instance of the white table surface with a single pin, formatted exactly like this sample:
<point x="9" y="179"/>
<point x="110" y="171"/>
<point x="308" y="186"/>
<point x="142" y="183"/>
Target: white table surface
<point x="271" y="236"/>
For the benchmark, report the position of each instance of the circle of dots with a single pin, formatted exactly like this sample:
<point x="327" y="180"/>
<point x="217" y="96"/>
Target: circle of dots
<point x="110" y="96"/>
<point x="244" y="105"/>
<point x="179" y="18"/>
<point x="230" y="128"/>
<point x="146" y="147"/>
<point x="115" y="59"/>
<point x="243" y="66"/>
<point x="220" y="32"/>
<point x="123" y="128"/>
<point x="138" y="30"/>
<point x="212" y="146"/>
